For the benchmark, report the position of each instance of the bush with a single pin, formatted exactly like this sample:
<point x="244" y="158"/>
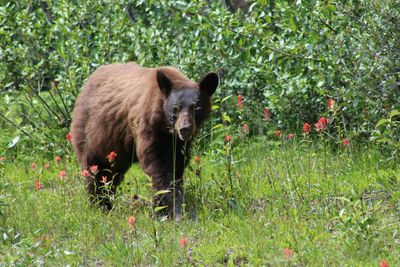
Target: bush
<point x="289" y="57"/>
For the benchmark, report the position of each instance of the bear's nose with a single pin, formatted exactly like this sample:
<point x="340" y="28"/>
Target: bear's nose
<point x="185" y="133"/>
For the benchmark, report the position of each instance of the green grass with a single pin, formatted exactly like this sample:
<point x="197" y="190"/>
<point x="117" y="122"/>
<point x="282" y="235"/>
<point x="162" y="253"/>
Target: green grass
<point x="331" y="208"/>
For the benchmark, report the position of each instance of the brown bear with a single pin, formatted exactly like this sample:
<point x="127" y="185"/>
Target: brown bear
<point x="145" y="115"/>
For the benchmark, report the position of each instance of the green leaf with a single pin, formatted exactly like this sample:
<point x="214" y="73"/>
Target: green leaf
<point x="219" y="125"/>
<point x="271" y="56"/>
<point x="214" y="107"/>
<point x="14" y="141"/>
<point x="331" y="7"/>
<point x="226" y="117"/>
<point x="226" y="98"/>
<point x="381" y="122"/>
<point x="342" y="199"/>
<point x="394" y="113"/>
<point x="160" y="208"/>
<point x="161" y="192"/>
<point x="383" y="140"/>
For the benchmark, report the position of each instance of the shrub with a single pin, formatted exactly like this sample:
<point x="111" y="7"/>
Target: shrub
<point x="289" y="57"/>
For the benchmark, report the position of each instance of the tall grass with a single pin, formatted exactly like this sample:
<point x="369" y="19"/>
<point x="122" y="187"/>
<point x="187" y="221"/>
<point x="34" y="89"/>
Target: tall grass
<point x="281" y="203"/>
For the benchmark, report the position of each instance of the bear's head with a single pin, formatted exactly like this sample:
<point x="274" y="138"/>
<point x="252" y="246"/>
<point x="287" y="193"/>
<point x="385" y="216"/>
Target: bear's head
<point x="186" y="108"/>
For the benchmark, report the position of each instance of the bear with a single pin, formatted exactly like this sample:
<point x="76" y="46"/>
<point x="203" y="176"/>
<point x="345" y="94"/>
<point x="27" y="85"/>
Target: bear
<point x="127" y="113"/>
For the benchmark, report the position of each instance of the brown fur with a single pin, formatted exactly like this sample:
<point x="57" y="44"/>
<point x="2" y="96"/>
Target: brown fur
<point x="121" y="109"/>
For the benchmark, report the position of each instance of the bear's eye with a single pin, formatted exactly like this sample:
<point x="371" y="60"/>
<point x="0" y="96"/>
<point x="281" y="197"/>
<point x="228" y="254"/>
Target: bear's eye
<point x="175" y="110"/>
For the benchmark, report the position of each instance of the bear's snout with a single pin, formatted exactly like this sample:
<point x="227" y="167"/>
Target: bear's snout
<point x="185" y="133"/>
<point x="185" y="127"/>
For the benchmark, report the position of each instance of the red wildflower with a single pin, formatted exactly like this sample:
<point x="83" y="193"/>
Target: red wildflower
<point x="2" y="158"/>
<point x="319" y="127"/>
<point x="240" y="102"/>
<point x="331" y="104"/>
<point x="246" y="128"/>
<point x="322" y="124"/>
<point x="306" y="128"/>
<point x="132" y="221"/>
<point x="383" y="263"/>
<point x="46" y="166"/>
<point x="278" y="133"/>
<point x="111" y="156"/>
<point x="68" y="137"/>
<point x="228" y="138"/>
<point x="93" y="169"/>
<point x="104" y="179"/>
<point x="323" y="121"/>
<point x="183" y="242"/>
<point x="197" y="159"/>
<point x="288" y="253"/>
<point x="345" y="141"/>
<point x="57" y="159"/>
<point x="38" y="185"/>
<point x="85" y="173"/>
<point x="290" y="136"/>
<point x="62" y="174"/>
<point x="267" y="114"/>
<point x="33" y="166"/>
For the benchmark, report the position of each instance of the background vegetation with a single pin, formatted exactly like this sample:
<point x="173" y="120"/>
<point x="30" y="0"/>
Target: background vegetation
<point x="267" y="191"/>
<point x="288" y="56"/>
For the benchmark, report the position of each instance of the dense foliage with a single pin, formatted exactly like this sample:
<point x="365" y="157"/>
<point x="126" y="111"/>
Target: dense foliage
<point x="287" y="56"/>
<point x="278" y="175"/>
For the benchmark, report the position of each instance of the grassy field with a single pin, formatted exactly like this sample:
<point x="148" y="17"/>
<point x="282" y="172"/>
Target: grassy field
<point x="257" y="204"/>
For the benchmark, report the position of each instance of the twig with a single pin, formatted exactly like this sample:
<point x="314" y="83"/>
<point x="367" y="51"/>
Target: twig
<point x="47" y="11"/>
<point x="65" y="116"/>
<point x="109" y="39"/>
<point x="62" y="101"/>
<point x="35" y="126"/>
<point x="16" y="126"/>
<point x="327" y="25"/>
<point x="49" y="110"/>
<point x="40" y="116"/>
<point x="130" y="14"/>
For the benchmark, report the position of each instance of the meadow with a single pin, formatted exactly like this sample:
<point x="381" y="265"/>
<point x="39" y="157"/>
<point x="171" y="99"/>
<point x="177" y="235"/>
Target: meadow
<point x="298" y="164"/>
<point x="279" y="202"/>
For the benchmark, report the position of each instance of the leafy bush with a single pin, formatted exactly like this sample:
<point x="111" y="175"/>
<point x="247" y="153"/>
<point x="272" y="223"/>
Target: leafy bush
<point x="289" y="57"/>
<point x="387" y="133"/>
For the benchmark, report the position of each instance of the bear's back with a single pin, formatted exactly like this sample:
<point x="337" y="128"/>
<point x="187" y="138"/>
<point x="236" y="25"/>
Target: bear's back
<point x="112" y="74"/>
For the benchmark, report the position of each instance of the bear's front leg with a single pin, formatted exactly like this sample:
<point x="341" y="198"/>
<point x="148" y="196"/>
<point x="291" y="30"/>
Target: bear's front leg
<point x="157" y="160"/>
<point x="169" y="195"/>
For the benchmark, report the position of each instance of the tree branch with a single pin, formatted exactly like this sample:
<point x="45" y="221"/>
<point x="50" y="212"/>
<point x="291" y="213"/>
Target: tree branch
<point x="327" y="25"/>
<point x="130" y="14"/>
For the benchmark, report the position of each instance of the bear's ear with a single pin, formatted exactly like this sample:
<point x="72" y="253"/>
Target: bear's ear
<point x="164" y="83"/>
<point x="209" y="83"/>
